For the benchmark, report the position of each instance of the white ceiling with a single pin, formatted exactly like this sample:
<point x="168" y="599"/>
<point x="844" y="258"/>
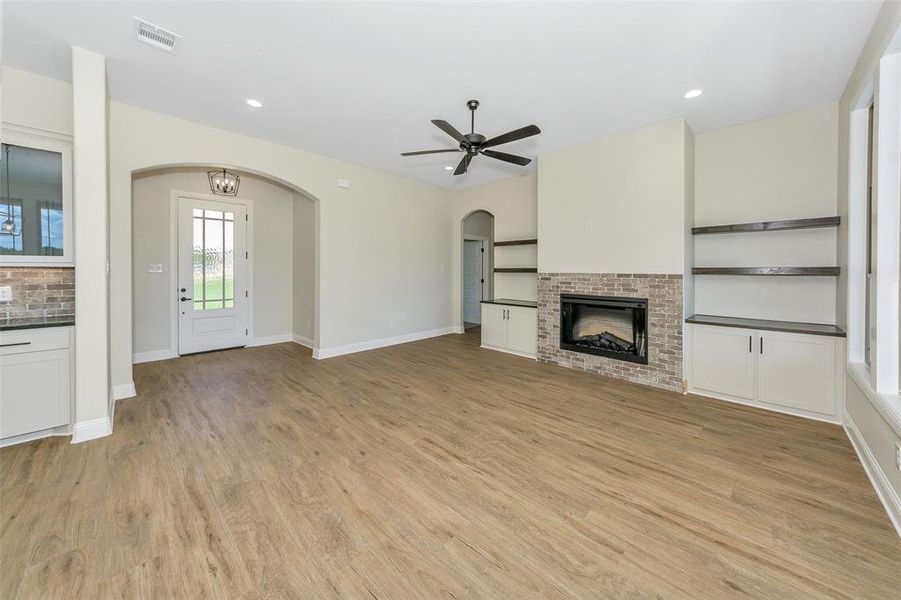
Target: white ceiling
<point x="360" y="82"/>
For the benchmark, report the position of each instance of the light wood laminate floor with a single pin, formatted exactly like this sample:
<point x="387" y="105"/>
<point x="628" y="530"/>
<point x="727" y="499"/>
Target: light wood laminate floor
<point x="437" y="470"/>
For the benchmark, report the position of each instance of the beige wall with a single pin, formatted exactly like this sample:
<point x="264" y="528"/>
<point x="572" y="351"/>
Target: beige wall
<point x="615" y="205"/>
<point x="778" y="168"/>
<point x="272" y="253"/>
<point x="513" y="203"/>
<point x="305" y="277"/>
<point x="36" y="101"/>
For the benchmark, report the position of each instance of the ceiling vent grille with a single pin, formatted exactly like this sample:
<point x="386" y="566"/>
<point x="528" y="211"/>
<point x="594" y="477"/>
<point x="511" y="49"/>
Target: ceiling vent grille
<point x="155" y="36"/>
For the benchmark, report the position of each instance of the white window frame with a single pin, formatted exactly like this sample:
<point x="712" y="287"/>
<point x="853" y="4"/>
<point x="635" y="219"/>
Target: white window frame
<point x="31" y="137"/>
<point x="885" y="334"/>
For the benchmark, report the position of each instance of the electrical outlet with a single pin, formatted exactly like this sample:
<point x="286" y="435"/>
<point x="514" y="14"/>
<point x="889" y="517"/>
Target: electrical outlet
<point x="155" y="268"/>
<point x="6" y="294"/>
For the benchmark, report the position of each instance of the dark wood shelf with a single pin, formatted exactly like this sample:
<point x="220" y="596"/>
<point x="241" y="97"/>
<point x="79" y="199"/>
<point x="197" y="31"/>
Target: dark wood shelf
<point x="767" y="325"/>
<point x="763" y="271"/>
<point x="516" y="243"/>
<point x="815" y="223"/>
<point x="516" y="270"/>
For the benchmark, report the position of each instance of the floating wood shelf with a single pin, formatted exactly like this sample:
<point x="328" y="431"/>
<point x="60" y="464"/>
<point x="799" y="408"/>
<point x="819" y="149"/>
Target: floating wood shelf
<point x="516" y="243"/>
<point x="784" y="271"/>
<point x="516" y="270"/>
<point x="814" y="223"/>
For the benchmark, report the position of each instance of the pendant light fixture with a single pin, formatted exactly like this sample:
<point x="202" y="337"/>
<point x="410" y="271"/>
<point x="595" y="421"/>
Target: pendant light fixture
<point x="223" y="182"/>
<point x="8" y="226"/>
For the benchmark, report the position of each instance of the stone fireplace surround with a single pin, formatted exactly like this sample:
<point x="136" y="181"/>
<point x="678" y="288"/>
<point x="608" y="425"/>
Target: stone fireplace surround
<point x="665" y="322"/>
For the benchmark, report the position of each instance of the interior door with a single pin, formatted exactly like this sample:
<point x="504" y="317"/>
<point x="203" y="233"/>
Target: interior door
<point x="472" y="280"/>
<point x="796" y="371"/>
<point x="723" y="360"/>
<point x="212" y="275"/>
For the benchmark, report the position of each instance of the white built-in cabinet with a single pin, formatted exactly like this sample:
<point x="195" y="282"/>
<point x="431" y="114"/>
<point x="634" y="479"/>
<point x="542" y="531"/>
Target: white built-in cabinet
<point x="35" y="382"/>
<point x="512" y="329"/>
<point x="790" y="372"/>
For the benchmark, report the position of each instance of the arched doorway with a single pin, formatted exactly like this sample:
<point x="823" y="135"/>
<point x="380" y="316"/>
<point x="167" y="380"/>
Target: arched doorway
<point x="281" y="253"/>
<point x="477" y="265"/>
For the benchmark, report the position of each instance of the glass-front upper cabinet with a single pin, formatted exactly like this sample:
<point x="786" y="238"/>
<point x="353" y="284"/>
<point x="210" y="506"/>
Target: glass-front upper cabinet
<point x="36" y="203"/>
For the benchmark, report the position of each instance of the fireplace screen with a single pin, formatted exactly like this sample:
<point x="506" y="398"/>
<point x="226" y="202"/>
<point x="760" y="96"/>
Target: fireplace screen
<point x="613" y="327"/>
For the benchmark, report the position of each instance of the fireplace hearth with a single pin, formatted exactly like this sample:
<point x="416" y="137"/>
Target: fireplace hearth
<point x="614" y="327"/>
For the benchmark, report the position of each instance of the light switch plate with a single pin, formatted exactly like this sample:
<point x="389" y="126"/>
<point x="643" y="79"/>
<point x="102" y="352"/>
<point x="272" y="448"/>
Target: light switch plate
<point x="6" y="293"/>
<point x="344" y="183"/>
<point x="155" y="268"/>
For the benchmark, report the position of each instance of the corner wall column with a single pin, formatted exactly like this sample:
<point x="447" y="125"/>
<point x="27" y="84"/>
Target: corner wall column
<point x="91" y="204"/>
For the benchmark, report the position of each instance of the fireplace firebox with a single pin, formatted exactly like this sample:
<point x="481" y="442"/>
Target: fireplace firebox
<point x="605" y="326"/>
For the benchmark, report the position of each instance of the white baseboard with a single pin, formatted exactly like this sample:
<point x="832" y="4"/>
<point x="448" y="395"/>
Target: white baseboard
<point x="125" y="390"/>
<point x="381" y="343"/>
<point x="303" y="341"/>
<point x="91" y="430"/>
<point x="887" y="495"/>
<point x="271" y="339"/>
<point x="35" y="435"/>
<point x="835" y="420"/>
<point x="152" y="356"/>
<point x="509" y="351"/>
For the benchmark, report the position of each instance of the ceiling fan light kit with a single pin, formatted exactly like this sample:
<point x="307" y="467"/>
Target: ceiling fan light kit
<point x="473" y="143"/>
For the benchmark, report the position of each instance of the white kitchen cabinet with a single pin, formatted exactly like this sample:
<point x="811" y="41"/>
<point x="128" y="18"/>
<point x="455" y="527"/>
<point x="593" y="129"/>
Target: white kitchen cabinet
<point x="796" y="373"/>
<point x="724" y="360"/>
<point x="35" y="382"/>
<point x="510" y="328"/>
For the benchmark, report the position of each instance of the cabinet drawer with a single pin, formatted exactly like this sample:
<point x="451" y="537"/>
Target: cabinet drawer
<point x="35" y="340"/>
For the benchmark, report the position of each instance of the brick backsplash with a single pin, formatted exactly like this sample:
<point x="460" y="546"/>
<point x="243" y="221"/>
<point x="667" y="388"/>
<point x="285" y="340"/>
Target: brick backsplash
<point x="38" y="293"/>
<point x="665" y="321"/>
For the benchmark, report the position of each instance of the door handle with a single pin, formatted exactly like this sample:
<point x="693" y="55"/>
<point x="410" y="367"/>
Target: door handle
<point x="761" y="344"/>
<point x="183" y="299"/>
<point x="750" y="337"/>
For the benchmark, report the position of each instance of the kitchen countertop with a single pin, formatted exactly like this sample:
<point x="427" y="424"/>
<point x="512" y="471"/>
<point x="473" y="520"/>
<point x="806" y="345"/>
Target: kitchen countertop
<point x="509" y="302"/>
<point x="38" y="323"/>
<point x="768" y="325"/>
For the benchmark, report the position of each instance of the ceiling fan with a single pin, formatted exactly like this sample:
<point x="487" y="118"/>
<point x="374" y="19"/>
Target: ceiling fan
<point x="473" y="143"/>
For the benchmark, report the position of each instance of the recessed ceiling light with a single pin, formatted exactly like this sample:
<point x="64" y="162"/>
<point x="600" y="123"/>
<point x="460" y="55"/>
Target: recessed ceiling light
<point x="448" y="168"/>
<point x="692" y="94"/>
<point x="254" y="103"/>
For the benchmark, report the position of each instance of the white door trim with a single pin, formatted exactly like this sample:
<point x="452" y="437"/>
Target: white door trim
<point x="174" y="195"/>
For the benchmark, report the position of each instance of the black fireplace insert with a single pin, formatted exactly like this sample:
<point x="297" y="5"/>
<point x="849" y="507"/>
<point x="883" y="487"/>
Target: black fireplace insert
<point x="605" y="326"/>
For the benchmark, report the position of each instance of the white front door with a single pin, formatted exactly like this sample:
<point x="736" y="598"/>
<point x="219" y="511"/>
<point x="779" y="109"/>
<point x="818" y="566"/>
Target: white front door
<point x="212" y="275"/>
<point x="472" y="280"/>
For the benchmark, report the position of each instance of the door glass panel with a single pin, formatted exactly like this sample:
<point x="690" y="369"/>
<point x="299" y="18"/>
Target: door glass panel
<point x="214" y="260"/>
<point x="32" y="197"/>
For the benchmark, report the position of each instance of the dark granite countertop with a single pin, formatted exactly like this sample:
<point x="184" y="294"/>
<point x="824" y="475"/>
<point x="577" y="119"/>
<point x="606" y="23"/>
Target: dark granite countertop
<point x="16" y="324"/>
<point x="768" y="325"/>
<point x="509" y="302"/>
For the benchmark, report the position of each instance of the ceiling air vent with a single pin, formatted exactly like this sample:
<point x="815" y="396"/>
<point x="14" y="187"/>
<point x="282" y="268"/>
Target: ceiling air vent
<point x="155" y="36"/>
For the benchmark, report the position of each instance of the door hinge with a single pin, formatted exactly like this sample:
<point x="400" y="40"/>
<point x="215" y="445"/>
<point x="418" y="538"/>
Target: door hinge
<point x="245" y="332"/>
<point x="246" y="293"/>
<point x="246" y="255"/>
<point x="246" y="218"/>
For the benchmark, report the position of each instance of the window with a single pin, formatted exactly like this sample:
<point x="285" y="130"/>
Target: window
<point x="214" y="259"/>
<point x="11" y="244"/>
<point x="869" y="337"/>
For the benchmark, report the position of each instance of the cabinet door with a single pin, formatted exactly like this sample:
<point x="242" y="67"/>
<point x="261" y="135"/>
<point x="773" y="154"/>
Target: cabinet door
<point x="796" y="371"/>
<point x="522" y="330"/>
<point x="723" y="360"/>
<point x="494" y="326"/>
<point x="34" y="391"/>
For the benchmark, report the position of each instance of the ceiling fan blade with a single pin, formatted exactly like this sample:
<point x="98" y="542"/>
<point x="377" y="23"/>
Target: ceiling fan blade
<point x="510" y="158"/>
<point x="464" y="164"/>
<point x="448" y="129"/>
<point x="418" y="152"/>
<point x="512" y="136"/>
